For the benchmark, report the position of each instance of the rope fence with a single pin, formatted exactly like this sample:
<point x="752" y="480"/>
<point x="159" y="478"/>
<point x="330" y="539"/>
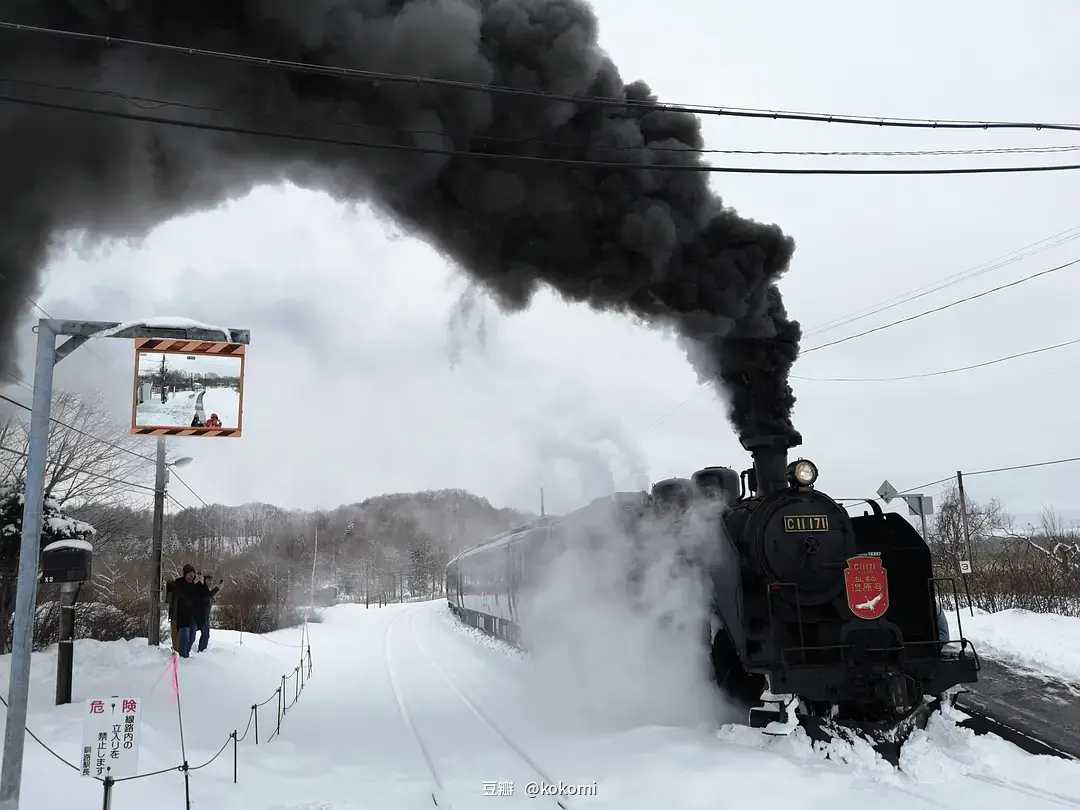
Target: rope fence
<point x="302" y="670"/>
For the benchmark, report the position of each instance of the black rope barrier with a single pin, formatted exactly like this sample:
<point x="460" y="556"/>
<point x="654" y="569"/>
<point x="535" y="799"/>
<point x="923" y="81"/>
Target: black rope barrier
<point x="170" y="769"/>
<point x="247" y="728"/>
<point x="234" y="737"/>
<point x="224" y="745"/>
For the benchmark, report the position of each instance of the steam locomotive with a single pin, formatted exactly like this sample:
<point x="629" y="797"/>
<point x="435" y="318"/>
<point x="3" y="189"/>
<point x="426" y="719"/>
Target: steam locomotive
<point x="817" y="618"/>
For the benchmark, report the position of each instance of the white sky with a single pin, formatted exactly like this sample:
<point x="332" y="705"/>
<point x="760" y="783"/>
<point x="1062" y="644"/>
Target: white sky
<point x="350" y="390"/>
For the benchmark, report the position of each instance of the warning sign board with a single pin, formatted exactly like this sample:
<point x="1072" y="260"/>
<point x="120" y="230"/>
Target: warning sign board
<point x="111" y="737"/>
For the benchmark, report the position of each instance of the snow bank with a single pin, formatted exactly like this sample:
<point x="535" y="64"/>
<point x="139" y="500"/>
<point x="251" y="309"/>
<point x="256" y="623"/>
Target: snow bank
<point x="1043" y="642"/>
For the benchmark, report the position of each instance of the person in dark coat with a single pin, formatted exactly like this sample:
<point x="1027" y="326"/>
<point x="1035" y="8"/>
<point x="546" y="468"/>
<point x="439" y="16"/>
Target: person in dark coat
<point x="204" y="595"/>
<point x="182" y="599"/>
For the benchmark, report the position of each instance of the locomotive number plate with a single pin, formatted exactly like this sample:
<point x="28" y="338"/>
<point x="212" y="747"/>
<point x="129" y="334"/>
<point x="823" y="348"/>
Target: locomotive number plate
<point x="806" y="523"/>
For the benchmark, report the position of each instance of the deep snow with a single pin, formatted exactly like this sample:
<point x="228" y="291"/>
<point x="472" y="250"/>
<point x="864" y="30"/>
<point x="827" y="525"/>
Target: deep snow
<point x="346" y="744"/>
<point x="1044" y="643"/>
<point x="182" y="405"/>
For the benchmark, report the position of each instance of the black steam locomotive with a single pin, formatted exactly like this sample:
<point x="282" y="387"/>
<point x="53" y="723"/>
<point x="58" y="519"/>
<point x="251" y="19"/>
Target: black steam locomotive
<point x="818" y="618"/>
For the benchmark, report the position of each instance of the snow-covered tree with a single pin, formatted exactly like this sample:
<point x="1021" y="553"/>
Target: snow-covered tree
<point x="55" y="525"/>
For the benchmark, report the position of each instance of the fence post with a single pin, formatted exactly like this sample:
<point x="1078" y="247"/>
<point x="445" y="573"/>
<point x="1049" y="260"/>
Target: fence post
<point x="187" y="787"/>
<point x="280" y="707"/>
<point x="234" y="756"/>
<point x="255" y="708"/>
<point x="309" y="660"/>
<point x="301" y="670"/>
<point x="106" y="802"/>
<point x="296" y="684"/>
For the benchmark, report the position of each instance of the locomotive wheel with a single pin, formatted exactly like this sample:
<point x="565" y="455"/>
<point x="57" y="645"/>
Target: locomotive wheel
<point x="738" y="684"/>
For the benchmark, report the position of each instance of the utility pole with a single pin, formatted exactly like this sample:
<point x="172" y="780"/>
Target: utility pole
<point x="48" y="355"/>
<point x="163" y="378"/>
<point x="967" y="536"/>
<point x="153" y="630"/>
<point x="65" y="652"/>
<point x="541" y="502"/>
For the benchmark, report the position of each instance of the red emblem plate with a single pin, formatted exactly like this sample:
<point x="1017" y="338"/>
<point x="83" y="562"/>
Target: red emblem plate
<point x="867" y="587"/>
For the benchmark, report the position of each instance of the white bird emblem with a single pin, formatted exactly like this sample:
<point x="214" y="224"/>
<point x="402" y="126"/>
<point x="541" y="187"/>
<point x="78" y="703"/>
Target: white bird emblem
<point x="869" y="604"/>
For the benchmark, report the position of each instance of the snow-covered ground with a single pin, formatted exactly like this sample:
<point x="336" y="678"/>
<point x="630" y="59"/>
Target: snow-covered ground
<point x="348" y="743"/>
<point x="181" y="406"/>
<point x="1041" y="642"/>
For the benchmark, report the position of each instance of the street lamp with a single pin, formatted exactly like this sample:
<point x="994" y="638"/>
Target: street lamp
<point x="161" y="479"/>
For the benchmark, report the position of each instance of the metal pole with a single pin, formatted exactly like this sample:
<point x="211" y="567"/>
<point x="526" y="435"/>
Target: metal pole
<point x="26" y="587"/>
<point x="234" y="756"/>
<point x="255" y="708"/>
<point x="922" y="517"/>
<point x="106" y="802"/>
<point x="967" y="534"/>
<point x="65" y="653"/>
<point x="153" y="630"/>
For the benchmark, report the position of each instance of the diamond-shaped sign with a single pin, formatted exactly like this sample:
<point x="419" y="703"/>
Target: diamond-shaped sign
<point x="887" y="491"/>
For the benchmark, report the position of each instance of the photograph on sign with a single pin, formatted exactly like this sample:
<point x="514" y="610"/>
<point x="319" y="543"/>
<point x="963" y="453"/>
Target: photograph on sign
<point x="111" y="737"/>
<point x="188" y="388"/>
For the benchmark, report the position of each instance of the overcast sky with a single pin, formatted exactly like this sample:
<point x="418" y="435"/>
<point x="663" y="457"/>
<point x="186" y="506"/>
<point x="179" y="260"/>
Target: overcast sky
<point x="374" y="368"/>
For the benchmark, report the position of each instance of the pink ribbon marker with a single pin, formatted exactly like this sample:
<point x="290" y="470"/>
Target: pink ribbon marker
<point x="174" y="665"/>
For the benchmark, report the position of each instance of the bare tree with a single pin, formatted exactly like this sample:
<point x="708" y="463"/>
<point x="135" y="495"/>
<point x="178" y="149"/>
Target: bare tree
<point x="87" y="448"/>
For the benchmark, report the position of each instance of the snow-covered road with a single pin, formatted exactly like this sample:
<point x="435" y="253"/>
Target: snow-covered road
<point x="380" y="673"/>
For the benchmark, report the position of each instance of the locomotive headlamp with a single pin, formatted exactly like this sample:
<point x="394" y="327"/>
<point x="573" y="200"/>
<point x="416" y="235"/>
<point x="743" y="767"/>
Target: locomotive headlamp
<point x="802" y="473"/>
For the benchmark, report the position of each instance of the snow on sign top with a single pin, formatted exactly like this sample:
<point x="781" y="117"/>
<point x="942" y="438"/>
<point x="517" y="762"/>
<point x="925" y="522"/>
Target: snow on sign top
<point x="110" y="745"/>
<point x="79" y="544"/>
<point x="164" y="322"/>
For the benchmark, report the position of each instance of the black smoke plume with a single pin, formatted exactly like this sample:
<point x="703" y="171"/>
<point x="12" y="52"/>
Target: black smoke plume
<point x="654" y="244"/>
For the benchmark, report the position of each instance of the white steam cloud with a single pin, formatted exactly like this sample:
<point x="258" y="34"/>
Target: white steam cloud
<point x="616" y="630"/>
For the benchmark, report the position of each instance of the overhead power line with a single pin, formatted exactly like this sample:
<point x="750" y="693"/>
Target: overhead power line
<point x="945" y="371"/>
<point x="1023" y="466"/>
<point x="109" y="444"/>
<point x="81" y="432"/>
<point x="157" y="103"/>
<point x="949" y="305"/>
<point x="187" y="486"/>
<point x="1011" y="257"/>
<point x="495" y="89"/>
<point x="87" y="471"/>
<point x="538" y="159"/>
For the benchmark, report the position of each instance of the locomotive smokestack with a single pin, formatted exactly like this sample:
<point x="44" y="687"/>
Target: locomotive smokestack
<point x="770" y="459"/>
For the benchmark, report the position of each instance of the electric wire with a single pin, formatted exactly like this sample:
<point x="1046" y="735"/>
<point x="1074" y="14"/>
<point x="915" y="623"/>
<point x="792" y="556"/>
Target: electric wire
<point x="949" y="305"/>
<point x="923" y="375"/>
<point x="114" y="446"/>
<point x="536" y="159"/>
<point x="187" y="486"/>
<point x="60" y="422"/>
<point x="1022" y="466"/>
<point x="989" y="266"/>
<point x="156" y="103"/>
<point x="86" y="471"/>
<point x="489" y="88"/>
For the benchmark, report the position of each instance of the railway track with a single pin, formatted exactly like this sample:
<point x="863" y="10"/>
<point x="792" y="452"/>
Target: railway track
<point x="439" y="796"/>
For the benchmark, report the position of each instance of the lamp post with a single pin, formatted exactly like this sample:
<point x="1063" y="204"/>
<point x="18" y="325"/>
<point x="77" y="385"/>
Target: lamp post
<point x="161" y="480"/>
